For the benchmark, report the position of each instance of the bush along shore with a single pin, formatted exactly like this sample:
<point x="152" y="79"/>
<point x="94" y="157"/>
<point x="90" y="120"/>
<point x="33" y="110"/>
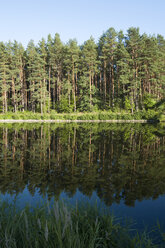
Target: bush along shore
<point x="144" y="116"/>
<point x="71" y="227"/>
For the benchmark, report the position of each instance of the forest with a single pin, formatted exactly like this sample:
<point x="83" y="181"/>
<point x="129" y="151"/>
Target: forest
<point x="120" y="71"/>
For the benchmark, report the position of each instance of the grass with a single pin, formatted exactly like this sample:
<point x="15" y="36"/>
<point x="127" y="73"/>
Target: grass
<point x="62" y="226"/>
<point x="100" y="115"/>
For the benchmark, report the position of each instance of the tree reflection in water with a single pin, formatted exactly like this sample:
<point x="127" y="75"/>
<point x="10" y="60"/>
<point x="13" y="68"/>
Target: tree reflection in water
<point x="120" y="162"/>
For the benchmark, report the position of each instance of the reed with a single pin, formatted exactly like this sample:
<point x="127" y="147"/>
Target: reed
<point x="62" y="226"/>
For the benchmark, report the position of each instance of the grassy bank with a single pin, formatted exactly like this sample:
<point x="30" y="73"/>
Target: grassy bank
<point x="62" y="227"/>
<point x="101" y="115"/>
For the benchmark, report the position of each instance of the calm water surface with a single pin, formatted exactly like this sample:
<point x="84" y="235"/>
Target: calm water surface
<point x="122" y="166"/>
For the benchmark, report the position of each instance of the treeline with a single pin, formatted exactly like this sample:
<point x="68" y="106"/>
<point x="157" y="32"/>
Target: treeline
<point x="120" y="71"/>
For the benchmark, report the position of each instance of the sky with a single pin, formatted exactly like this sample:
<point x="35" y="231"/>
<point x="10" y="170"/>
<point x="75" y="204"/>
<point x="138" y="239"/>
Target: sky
<point x="23" y="20"/>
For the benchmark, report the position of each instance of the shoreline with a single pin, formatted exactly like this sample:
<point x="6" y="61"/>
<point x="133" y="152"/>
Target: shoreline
<point x="76" y="121"/>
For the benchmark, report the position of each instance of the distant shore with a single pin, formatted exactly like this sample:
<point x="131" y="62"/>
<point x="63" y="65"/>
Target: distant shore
<point x="150" y="116"/>
<point x="76" y="121"/>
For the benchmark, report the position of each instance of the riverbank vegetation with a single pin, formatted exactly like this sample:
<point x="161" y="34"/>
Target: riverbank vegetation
<point x="64" y="226"/>
<point x="150" y="115"/>
<point x="122" y="72"/>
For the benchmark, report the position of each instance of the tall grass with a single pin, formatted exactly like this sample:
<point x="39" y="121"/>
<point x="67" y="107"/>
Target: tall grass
<point x="100" y="115"/>
<point x="61" y="226"/>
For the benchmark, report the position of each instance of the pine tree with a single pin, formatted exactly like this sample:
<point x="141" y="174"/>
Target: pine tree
<point x="161" y="65"/>
<point x="122" y="69"/>
<point x="133" y="42"/>
<point x="71" y="64"/>
<point x="108" y="46"/>
<point x="44" y="77"/>
<point x="89" y="64"/>
<point x="151" y="69"/>
<point x="57" y="66"/>
<point x="67" y="81"/>
<point x="4" y="77"/>
<point x="36" y="79"/>
<point x="49" y="49"/>
<point x="16" y="66"/>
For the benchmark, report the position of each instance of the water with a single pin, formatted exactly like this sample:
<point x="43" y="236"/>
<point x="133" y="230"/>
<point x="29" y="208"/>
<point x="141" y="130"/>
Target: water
<point x="122" y="166"/>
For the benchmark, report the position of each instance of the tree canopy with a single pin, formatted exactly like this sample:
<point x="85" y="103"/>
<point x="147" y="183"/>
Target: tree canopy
<point x="120" y="71"/>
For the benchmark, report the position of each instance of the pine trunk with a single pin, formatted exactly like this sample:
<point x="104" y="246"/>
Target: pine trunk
<point x="105" y="83"/>
<point x="90" y="92"/>
<point x="41" y="98"/>
<point x="74" y="93"/>
<point x="5" y="99"/>
<point x="113" y="86"/>
<point x="49" y="90"/>
<point x="13" y="95"/>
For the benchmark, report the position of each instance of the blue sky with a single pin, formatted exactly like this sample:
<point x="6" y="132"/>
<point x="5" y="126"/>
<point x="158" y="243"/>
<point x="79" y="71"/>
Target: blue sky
<point x="33" y="19"/>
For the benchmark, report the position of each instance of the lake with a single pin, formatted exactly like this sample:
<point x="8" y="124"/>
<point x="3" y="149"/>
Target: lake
<point x="121" y="166"/>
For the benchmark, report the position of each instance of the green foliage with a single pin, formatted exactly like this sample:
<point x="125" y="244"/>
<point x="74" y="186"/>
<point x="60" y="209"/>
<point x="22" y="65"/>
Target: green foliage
<point x="84" y="97"/>
<point x="150" y="114"/>
<point x="128" y="105"/>
<point x="121" y="71"/>
<point x="149" y="101"/>
<point x="95" y="115"/>
<point x="64" y="106"/>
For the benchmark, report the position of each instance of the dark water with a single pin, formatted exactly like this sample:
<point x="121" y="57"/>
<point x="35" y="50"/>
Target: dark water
<point x="122" y="166"/>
